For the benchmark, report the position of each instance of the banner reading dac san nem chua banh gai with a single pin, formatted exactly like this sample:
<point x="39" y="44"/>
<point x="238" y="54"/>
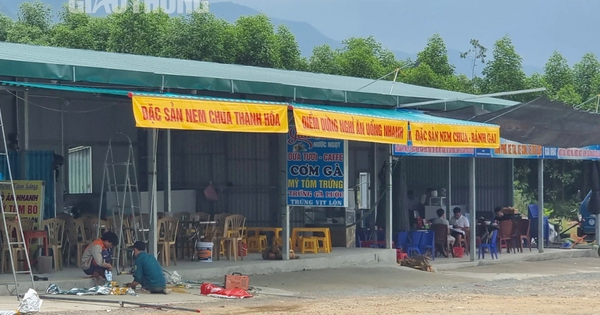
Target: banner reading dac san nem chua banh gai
<point x="29" y="198"/>
<point x="316" y="171"/>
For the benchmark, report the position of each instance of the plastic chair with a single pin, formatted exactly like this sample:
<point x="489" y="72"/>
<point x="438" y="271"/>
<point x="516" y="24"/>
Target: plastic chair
<point x="402" y="241"/>
<point x="491" y="246"/>
<point x="428" y="242"/>
<point x="415" y="242"/>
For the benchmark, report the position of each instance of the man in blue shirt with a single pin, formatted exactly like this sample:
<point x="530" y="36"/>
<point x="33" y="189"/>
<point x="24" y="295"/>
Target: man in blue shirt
<point x="148" y="271"/>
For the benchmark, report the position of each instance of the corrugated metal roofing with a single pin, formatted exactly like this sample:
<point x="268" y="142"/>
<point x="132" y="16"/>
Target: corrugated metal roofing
<point x="401" y="114"/>
<point x="54" y="63"/>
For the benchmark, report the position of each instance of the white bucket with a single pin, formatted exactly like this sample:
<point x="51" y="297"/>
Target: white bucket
<point x="204" y="251"/>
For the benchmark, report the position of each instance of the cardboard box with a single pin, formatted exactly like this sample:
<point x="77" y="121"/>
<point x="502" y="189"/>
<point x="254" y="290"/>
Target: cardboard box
<point x="237" y="280"/>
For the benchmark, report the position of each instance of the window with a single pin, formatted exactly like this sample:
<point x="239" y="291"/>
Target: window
<point x="80" y="170"/>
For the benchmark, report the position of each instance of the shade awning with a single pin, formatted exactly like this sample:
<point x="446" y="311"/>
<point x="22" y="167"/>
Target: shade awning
<point x="392" y="126"/>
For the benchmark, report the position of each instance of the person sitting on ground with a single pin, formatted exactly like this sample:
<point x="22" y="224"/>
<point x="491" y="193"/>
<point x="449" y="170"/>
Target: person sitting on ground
<point x="97" y="257"/>
<point x="500" y="216"/>
<point x="148" y="271"/>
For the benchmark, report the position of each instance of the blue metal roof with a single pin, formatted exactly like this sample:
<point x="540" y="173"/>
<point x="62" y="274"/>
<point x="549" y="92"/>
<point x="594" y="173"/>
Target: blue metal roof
<point x="400" y="114"/>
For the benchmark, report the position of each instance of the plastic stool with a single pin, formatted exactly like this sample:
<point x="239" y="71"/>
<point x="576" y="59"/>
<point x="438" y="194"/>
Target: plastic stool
<point x="310" y="244"/>
<point x="257" y="243"/>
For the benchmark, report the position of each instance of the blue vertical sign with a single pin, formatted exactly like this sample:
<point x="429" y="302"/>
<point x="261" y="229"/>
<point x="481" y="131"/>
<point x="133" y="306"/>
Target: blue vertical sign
<point x="316" y="171"/>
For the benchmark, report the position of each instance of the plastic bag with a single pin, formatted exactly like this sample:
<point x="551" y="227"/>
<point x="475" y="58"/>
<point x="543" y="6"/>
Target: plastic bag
<point x="30" y="304"/>
<point x="210" y="289"/>
<point x="210" y="193"/>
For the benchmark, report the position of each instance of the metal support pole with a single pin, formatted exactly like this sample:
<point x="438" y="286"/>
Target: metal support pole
<point x="25" y="121"/>
<point x="472" y="210"/>
<point x="449" y="192"/>
<point x="167" y="190"/>
<point x="152" y="191"/>
<point x="286" y="234"/>
<point x="541" y="205"/>
<point x="285" y="208"/>
<point x="389" y="217"/>
<point x="374" y="195"/>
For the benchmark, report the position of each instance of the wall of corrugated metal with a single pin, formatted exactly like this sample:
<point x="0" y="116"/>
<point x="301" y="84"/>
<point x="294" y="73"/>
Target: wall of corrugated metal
<point x="33" y="165"/>
<point x="241" y="166"/>
<point x="492" y="179"/>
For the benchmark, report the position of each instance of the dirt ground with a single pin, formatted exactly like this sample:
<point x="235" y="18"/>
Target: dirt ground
<point x="569" y="286"/>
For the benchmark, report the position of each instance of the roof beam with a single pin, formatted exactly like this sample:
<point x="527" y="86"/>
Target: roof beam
<point x="472" y="97"/>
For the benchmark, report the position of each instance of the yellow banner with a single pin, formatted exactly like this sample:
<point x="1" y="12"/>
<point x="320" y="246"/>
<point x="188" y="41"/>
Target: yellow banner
<point x="323" y="124"/>
<point x="29" y="199"/>
<point x="454" y="136"/>
<point x="190" y="114"/>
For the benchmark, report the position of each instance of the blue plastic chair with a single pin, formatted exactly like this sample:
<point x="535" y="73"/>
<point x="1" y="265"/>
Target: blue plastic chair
<point x="402" y="241"/>
<point x="415" y="242"/>
<point x="428" y="242"/>
<point x="491" y="246"/>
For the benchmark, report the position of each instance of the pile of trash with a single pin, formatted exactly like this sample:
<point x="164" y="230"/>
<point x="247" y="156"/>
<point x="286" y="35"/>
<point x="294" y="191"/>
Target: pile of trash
<point x="30" y="304"/>
<point x="107" y="289"/>
<point x="210" y="289"/>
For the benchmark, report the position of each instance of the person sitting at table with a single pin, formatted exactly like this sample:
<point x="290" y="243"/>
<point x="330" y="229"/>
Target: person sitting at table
<point x="500" y="216"/>
<point x="148" y="271"/>
<point x="441" y="213"/>
<point x="458" y="222"/>
<point x="97" y="256"/>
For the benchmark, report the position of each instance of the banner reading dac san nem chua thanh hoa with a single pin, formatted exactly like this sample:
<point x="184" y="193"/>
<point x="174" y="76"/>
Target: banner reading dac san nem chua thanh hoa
<point x="210" y="115"/>
<point x="29" y="198"/>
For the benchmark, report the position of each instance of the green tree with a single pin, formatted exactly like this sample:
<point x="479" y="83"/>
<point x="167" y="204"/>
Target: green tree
<point x="365" y="58"/>
<point x="504" y="72"/>
<point x="435" y="55"/>
<point x="289" y="51"/>
<point x="422" y="75"/>
<point x="135" y="31"/>
<point x="5" y="25"/>
<point x="33" y="25"/>
<point x="585" y="71"/>
<point x="324" y="60"/>
<point x="568" y="95"/>
<point x="198" y="36"/>
<point x="257" y="42"/>
<point x="477" y="54"/>
<point x="535" y="81"/>
<point x="557" y="73"/>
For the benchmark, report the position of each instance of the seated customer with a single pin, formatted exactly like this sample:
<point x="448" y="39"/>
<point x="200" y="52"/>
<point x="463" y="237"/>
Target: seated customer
<point x="500" y="216"/>
<point x="441" y="220"/>
<point x="148" y="271"/>
<point x="459" y="222"/>
<point x="97" y="257"/>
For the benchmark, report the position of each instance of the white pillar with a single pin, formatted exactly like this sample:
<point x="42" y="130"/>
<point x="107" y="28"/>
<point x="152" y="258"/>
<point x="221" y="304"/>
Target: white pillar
<point x="541" y="205"/>
<point x="167" y="192"/>
<point x="152" y="148"/>
<point x="472" y="210"/>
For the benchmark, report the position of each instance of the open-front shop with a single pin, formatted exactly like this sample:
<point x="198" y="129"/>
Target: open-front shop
<point x="491" y="172"/>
